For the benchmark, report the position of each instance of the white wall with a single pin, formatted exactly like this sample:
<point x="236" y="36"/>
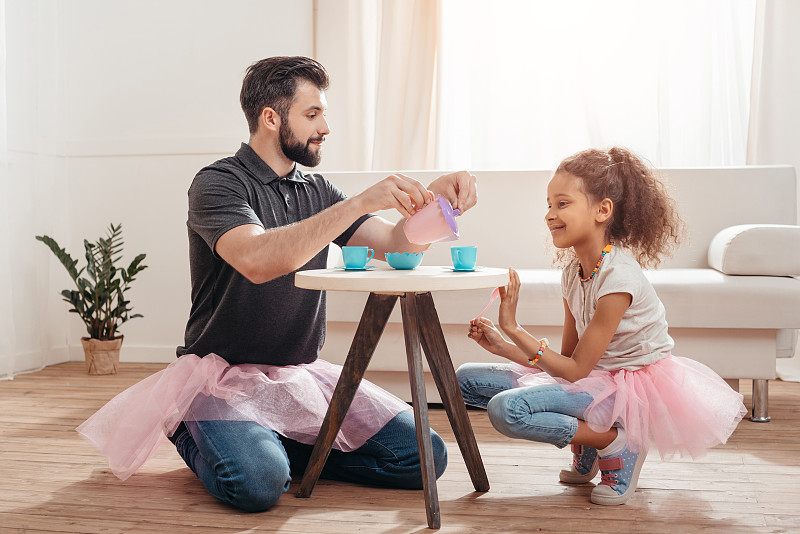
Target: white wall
<point x="37" y="181"/>
<point x="113" y="107"/>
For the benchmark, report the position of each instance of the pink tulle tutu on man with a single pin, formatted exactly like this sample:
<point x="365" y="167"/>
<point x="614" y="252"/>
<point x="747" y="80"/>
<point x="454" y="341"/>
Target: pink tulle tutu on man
<point x="292" y="400"/>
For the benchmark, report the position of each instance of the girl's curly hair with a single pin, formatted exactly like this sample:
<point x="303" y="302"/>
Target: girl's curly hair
<point x="644" y="219"/>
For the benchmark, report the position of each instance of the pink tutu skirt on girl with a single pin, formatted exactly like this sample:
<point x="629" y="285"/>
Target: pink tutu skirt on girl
<point x="676" y="405"/>
<point x="291" y="400"/>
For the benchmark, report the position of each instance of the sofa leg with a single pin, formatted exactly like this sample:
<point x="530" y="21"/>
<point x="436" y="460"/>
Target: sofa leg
<point x="760" y="402"/>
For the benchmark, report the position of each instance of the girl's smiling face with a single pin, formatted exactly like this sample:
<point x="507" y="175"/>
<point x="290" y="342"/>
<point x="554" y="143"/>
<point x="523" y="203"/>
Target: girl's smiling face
<point x="572" y="216"/>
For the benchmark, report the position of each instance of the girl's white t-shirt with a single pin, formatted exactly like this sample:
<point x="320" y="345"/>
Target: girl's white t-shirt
<point x="641" y="337"/>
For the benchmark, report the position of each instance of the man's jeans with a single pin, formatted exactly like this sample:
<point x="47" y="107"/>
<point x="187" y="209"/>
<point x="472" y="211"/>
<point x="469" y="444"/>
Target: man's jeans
<point x="546" y="413"/>
<point x="248" y="466"/>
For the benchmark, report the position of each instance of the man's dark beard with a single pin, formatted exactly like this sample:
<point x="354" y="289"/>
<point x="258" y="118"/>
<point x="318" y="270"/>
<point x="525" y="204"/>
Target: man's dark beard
<point x="296" y="150"/>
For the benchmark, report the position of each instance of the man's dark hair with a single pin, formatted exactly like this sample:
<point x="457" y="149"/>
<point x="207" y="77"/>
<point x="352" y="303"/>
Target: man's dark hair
<point x="272" y="82"/>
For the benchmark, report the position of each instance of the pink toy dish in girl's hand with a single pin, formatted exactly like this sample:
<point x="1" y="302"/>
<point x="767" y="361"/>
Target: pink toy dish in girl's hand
<point x="433" y="223"/>
<point x="492" y="298"/>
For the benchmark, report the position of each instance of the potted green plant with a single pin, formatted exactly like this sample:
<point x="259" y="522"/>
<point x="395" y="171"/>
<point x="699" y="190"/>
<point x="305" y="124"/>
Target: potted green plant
<point x="99" y="299"/>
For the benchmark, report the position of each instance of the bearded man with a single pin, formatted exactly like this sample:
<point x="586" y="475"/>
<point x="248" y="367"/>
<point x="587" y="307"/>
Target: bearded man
<point x="254" y="220"/>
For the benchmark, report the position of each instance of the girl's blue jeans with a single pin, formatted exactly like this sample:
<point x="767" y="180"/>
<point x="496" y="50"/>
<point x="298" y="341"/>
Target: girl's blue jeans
<point x="249" y="467"/>
<point x="546" y="413"/>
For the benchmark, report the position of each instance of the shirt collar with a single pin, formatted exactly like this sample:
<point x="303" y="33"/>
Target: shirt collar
<point x="261" y="170"/>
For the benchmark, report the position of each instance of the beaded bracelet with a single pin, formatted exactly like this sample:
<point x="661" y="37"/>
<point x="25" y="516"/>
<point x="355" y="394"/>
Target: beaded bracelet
<point x="542" y="346"/>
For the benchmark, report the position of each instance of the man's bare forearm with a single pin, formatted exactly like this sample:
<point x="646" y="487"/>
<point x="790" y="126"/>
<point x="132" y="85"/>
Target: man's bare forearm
<point x="279" y="251"/>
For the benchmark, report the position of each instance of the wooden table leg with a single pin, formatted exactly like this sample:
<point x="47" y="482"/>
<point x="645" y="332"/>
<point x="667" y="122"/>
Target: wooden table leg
<point x="441" y="366"/>
<point x="373" y="321"/>
<point x="408" y="306"/>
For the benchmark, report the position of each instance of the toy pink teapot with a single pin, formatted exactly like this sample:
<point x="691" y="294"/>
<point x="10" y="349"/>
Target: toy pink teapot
<point x="433" y="223"/>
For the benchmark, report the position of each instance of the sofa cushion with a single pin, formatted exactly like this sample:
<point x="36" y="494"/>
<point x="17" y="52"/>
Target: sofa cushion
<point x="706" y="298"/>
<point x="756" y="249"/>
<point x="693" y="298"/>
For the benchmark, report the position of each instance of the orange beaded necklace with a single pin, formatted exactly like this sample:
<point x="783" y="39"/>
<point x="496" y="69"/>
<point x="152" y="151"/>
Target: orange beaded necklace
<point x="606" y="250"/>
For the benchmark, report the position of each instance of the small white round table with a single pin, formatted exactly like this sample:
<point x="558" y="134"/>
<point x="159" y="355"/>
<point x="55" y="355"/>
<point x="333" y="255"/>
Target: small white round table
<point x="421" y="326"/>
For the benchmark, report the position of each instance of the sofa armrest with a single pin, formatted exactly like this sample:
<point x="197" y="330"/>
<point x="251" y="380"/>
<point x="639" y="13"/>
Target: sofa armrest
<point x="756" y="249"/>
<point x="786" y="342"/>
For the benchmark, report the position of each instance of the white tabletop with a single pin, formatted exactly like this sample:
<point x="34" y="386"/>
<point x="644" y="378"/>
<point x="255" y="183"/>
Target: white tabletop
<point x="384" y="279"/>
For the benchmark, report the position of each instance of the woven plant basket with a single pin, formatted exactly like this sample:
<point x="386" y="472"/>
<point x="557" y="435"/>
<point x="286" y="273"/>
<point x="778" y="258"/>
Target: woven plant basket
<point x="102" y="357"/>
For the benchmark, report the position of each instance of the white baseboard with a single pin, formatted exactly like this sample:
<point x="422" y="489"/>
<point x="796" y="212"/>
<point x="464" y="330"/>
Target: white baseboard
<point x="34" y="361"/>
<point x="134" y="353"/>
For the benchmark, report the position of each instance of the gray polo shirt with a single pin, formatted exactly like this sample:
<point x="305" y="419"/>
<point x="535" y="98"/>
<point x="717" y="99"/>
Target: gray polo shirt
<point x="272" y="323"/>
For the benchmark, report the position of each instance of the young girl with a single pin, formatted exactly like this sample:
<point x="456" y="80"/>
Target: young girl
<point x="615" y="387"/>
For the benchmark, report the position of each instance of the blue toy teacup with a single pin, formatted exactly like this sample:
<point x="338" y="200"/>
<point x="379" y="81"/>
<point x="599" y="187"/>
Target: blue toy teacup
<point x="356" y="257"/>
<point x="464" y="257"/>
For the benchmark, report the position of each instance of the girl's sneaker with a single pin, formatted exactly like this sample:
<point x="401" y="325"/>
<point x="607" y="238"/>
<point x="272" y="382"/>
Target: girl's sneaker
<point x="584" y="465"/>
<point x="620" y="474"/>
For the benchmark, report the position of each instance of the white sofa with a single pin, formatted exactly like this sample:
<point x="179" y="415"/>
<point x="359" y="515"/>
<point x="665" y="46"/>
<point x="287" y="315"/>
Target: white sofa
<point x="736" y="324"/>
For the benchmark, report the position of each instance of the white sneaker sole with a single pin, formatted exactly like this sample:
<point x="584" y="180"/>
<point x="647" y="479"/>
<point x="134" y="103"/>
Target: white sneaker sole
<point x="571" y="476"/>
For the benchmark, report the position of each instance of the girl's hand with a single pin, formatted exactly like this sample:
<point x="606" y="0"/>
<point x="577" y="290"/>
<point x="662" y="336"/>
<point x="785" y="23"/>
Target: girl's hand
<point x="509" y="296"/>
<point x="483" y="332"/>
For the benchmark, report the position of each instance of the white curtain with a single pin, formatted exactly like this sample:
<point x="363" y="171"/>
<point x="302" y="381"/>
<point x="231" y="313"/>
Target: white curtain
<point x="775" y="104"/>
<point x="381" y="55"/>
<point x="347" y="44"/>
<point x="775" y="98"/>
<point x="524" y="84"/>
<point x="405" y="106"/>
<point x="521" y="84"/>
<point x="7" y="345"/>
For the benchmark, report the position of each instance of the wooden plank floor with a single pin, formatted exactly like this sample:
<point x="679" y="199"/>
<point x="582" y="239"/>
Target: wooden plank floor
<point x="51" y="480"/>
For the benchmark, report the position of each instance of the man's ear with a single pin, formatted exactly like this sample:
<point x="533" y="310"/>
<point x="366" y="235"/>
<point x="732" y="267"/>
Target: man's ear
<point x="604" y="210"/>
<point x="270" y="119"/>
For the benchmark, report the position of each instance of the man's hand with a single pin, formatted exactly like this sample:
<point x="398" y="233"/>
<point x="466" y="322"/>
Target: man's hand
<point x="397" y="191"/>
<point x="459" y="188"/>
<point x="407" y="196"/>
